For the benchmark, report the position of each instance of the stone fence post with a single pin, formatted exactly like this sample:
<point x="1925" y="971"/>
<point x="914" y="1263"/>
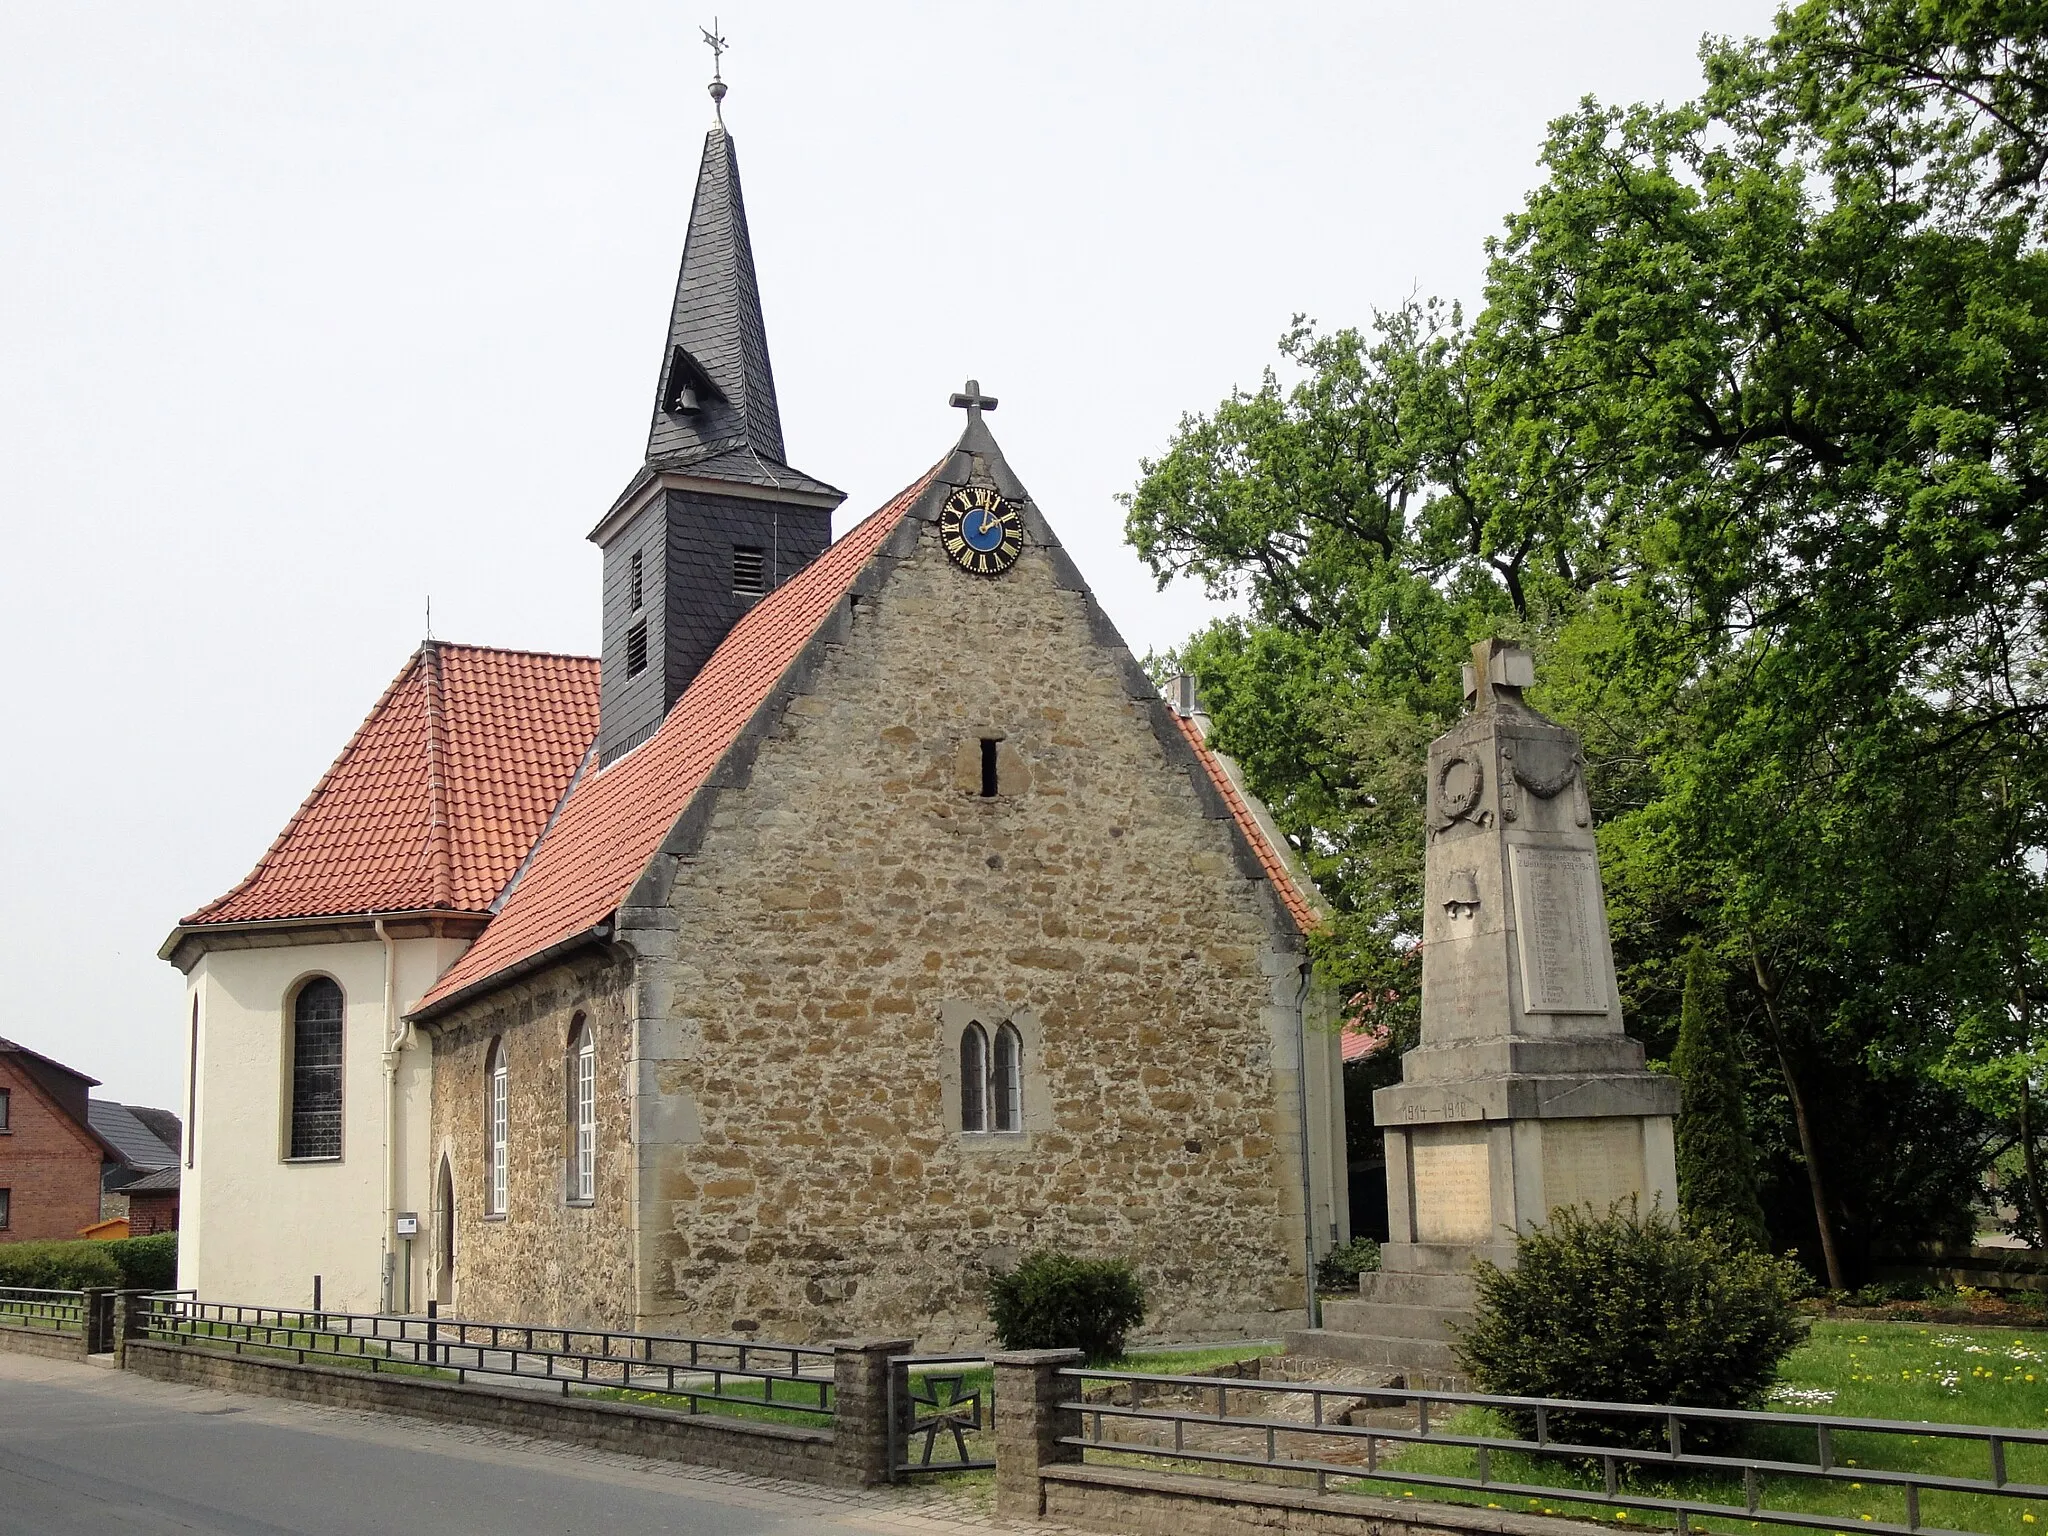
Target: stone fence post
<point x="1029" y="1426"/>
<point x="861" y="1443"/>
<point x="130" y="1310"/>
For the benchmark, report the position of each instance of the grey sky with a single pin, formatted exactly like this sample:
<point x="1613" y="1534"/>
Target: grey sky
<point x="309" y="312"/>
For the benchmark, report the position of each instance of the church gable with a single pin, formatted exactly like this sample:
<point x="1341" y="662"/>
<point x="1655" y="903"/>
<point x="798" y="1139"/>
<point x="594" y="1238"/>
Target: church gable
<point x="621" y="830"/>
<point x="966" y="810"/>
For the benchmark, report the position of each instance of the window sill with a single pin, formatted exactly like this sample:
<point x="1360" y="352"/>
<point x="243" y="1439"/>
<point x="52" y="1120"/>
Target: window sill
<point x="581" y="1205"/>
<point x="493" y="1216"/>
<point x="301" y="1162"/>
<point x="991" y="1141"/>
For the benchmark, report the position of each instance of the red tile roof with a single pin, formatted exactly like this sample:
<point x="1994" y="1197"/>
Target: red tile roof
<point x="614" y="821"/>
<point x="1290" y="893"/>
<point x="438" y="796"/>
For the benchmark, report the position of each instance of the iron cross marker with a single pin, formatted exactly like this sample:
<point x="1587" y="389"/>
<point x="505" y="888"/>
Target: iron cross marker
<point x="973" y="401"/>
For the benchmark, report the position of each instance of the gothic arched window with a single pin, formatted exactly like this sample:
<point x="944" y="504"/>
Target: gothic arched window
<point x="582" y="1111"/>
<point x="497" y="1122"/>
<point x="316" y="1070"/>
<point x="973" y="1079"/>
<point x="991" y="1081"/>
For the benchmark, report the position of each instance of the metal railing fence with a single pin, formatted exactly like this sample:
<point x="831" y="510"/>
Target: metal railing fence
<point x="723" y="1373"/>
<point x="934" y="1411"/>
<point x="23" y="1306"/>
<point x="1209" y="1432"/>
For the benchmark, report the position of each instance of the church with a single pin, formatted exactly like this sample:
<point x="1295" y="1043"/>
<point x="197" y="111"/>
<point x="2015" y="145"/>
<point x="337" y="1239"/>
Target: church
<point x="860" y="920"/>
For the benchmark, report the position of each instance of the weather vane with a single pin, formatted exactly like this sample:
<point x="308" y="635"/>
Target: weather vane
<point x="717" y="45"/>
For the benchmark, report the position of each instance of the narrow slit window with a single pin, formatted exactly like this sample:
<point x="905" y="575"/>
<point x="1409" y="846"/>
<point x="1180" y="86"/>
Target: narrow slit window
<point x="316" y="1070"/>
<point x="749" y="571"/>
<point x="498" y="1112"/>
<point x="988" y="768"/>
<point x="5" y="1123"/>
<point x="973" y="1079"/>
<point x="1006" y="1082"/>
<point x="6" y="1200"/>
<point x="637" y="583"/>
<point x="583" y="1185"/>
<point x="636" y="650"/>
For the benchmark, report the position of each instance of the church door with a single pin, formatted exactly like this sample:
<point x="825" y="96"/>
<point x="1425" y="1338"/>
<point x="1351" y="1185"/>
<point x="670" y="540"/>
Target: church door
<point x="444" y="1235"/>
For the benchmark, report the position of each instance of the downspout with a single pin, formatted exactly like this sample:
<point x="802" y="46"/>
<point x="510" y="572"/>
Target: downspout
<point x="1308" y="1211"/>
<point x="390" y="1101"/>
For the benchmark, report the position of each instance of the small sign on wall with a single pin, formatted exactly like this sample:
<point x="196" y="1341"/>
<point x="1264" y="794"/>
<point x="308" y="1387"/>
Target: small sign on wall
<point x="408" y="1224"/>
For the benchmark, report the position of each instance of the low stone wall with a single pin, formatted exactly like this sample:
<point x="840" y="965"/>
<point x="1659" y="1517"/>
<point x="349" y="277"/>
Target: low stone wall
<point x="709" y="1440"/>
<point x="43" y="1341"/>
<point x="1134" y="1503"/>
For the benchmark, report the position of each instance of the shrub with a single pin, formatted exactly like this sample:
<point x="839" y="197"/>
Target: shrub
<point x="1339" y="1269"/>
<point x="1056" y="1301"/>
<point x="146" y="1263"/>
<point x="66" y="1266"/>
<point x="1631" y="1308"/>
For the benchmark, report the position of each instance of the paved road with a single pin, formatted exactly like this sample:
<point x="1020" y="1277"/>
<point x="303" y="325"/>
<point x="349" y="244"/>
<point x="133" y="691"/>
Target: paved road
<point x="88" y="1450"/>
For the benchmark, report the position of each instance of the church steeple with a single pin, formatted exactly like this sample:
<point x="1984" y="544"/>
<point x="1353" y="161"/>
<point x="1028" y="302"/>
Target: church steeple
<point x="715" y="518"/>
<point x="717" y="391"/>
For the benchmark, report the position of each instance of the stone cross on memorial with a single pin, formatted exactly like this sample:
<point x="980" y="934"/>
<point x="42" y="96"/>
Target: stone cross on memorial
<point x="1524" y="1094"/>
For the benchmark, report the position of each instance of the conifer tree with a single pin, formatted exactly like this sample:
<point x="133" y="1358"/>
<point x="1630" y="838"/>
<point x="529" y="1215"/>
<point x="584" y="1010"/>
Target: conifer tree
<point x="1716" y="1165"/>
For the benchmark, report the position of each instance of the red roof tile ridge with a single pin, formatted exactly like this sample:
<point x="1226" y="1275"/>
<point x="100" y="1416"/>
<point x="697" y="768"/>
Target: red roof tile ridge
<point x="1277" y="869"/>
<point x="283" y="838"/>
<point x="516" y="650"/>
<point x="616" y="820"/>
<point x="439" y="859"/>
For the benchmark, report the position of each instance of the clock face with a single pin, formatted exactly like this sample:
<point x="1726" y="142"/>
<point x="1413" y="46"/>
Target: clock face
<point x="982" y="532"/>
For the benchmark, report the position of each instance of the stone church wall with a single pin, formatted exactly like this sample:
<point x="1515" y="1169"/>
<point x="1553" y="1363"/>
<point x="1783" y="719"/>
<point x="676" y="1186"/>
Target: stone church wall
<point x="546" y="1259"/>
<point x="858" y="900"/>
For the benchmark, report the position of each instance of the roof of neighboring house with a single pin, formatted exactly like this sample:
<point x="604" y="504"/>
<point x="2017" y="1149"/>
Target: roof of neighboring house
<point x="614" y="821"/>
<point x="437" y="797"/>
<point x="65" y="1086"/>
<point x="162" y="1124"/>
<point x="163" y="1181"/>
<point x="1357" y="1044"/>
<point x="138" y="1145"/>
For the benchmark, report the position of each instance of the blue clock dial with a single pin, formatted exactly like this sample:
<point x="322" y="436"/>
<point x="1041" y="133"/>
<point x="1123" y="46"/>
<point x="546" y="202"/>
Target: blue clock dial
<point x="982" y="529"/>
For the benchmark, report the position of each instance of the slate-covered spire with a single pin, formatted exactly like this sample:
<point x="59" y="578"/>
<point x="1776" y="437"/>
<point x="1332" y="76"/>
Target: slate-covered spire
<point x="715" y="518"/>
<point x="717" y="391"/>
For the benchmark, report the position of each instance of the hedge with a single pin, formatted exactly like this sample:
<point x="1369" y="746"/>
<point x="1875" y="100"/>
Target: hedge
<point x="131" y="1263"/>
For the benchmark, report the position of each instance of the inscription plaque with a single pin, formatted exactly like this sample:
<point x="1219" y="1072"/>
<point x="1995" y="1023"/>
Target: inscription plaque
<point x="1592" y="1162"/>
<point x="1557" y="929"/>
<point x="1453" y="1184"/>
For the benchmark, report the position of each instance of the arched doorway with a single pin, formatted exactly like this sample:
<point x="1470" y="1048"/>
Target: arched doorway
<point x="444" y="1234"/>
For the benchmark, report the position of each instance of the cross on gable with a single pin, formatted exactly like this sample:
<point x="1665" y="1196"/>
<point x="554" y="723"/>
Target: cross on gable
<point x="973" y="401"/>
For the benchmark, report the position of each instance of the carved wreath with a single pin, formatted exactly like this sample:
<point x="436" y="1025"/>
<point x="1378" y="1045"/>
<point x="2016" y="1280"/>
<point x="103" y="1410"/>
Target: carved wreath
<point x="1458" y="784"/>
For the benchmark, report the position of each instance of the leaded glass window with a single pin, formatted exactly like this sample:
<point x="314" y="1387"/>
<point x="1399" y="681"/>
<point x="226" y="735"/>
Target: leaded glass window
<point x="973" y="1079"/>
<point x="316" y="1070"/>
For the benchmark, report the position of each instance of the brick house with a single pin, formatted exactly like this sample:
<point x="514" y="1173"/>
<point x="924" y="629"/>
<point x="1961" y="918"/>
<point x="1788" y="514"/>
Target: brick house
<point x="50" y="1156"/>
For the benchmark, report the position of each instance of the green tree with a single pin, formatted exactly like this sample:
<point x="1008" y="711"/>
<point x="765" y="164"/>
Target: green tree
<point x="1747" y="441"/>
<point x="1716" y="1164"/>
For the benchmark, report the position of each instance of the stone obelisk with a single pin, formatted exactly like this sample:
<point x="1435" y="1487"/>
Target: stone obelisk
<point x="1524" y="1094"/>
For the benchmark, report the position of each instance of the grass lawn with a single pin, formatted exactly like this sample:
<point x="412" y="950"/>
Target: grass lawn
<point x="1916" y="1372"/>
